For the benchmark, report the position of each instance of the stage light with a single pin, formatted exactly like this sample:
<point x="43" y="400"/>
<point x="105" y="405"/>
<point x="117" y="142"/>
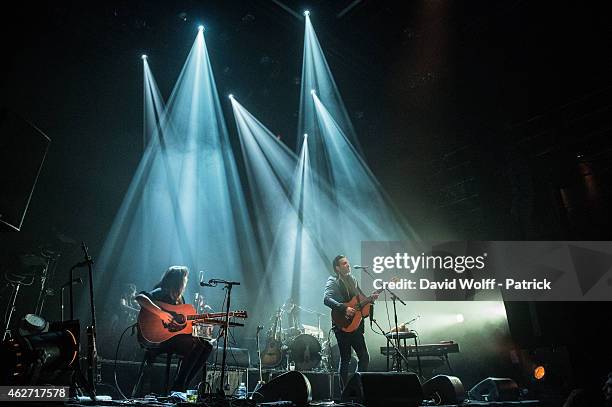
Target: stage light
<point x="539" y="372"/>
<point x="32" y="324"/>
<point x="313" y="92"/>
<point x="305" y="135"/>
<point x="231" y="96"/>
<point x="144" y="56"/>
<point x="42" y="358"/>
<point x="306" y="13"/>
<point x="200" y="28"/>
<point x="460" y="318"/>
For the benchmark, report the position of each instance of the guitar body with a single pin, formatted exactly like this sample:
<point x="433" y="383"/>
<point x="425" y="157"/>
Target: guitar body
<point x="154" y="331"/>
<point x="361" y="304"/>
<point x="272" y="354"/>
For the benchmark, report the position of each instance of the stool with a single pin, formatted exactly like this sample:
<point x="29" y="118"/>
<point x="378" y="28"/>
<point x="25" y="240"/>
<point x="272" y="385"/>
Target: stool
<point x="150" y="356"/>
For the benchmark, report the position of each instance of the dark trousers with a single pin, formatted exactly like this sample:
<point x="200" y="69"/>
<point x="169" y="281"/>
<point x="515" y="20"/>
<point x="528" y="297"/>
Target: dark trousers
<point x="346" y="341"/>
<point x="195" y="352"/>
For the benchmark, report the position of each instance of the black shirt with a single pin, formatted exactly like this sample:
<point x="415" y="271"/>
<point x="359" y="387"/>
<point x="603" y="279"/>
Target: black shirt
<point x="160" y="295"/>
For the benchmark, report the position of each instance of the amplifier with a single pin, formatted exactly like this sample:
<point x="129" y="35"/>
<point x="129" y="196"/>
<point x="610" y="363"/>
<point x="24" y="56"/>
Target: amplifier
<point x="233" y="378"/>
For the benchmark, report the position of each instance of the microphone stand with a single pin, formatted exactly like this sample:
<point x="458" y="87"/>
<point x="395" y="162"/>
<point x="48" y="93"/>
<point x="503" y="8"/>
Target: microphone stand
<point x="395" y="347"/>
<point x="394" y="298"/>
<point x="89" y="382"/>
<point x="92" y="352"/>
<point x="228" y="286"/>
<point x="261" y="381"/>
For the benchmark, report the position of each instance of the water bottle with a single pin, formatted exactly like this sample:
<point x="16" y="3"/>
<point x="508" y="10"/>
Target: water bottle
<point x="241" y="392"/>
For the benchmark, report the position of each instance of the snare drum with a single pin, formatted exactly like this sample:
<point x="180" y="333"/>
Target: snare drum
<point x="201" y="330"/>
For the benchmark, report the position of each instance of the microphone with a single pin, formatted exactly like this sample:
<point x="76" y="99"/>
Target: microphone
<point x="204" y="283"/>
<point x="358" y="267"/>
<point x="412" y="320"/>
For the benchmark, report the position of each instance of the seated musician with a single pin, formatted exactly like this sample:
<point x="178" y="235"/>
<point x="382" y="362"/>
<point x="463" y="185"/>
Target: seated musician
<point x="195" y="351"/>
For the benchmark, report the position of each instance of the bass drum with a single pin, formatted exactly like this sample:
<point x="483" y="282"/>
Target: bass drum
<point x="305" y="352"/>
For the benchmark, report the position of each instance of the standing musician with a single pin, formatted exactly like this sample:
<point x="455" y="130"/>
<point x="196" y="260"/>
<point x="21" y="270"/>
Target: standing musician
<point x="195" y="351"/>
<point x="338" y="290"/>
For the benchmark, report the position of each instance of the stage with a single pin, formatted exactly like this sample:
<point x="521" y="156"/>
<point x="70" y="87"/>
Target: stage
<point x="319" y="202"/>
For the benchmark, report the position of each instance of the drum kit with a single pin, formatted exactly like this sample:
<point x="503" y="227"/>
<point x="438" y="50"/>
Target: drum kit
<point x="299" y="347"/>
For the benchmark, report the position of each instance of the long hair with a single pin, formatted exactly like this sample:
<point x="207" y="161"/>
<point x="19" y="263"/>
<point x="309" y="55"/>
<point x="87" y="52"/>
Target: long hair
<point x="172" y="281"/>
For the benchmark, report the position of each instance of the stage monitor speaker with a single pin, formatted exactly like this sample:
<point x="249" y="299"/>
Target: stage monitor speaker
<point x="374" y="389"/>
<point x="444" y="389"/>
<point x="495" y="389"/>
<point x="23" y="148"/>
<point x="290" y="386"/>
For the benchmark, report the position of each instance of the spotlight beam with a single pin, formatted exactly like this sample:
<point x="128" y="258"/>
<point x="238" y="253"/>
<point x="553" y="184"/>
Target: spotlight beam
<point x="282" y="193"/>
<point x="185" y="190"/>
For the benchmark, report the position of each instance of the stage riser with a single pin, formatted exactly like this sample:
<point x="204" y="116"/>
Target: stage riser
<point x="127" y="374"/>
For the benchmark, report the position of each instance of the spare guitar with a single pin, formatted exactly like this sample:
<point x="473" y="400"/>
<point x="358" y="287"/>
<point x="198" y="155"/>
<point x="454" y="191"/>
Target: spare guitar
<point x="361" y="304"/>
<point x="272" y="354"/>
<point x="153" y="330"/>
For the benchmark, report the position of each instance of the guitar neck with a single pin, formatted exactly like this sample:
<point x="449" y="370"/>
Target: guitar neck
<point x="209" y="315"/>
<point x="369" y="299"/>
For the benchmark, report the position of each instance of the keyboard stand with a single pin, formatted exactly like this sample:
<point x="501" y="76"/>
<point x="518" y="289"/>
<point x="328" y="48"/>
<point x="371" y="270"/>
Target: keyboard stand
<point x="403" y="336"/>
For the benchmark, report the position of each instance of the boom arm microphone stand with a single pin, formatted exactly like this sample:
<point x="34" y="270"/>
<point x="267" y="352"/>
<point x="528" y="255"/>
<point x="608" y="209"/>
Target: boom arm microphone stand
<point x="228" y="286"/>
<point x="394" y="298"/>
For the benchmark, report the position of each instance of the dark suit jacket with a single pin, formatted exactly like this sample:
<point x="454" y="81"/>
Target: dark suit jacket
<point x="337" y="292"/>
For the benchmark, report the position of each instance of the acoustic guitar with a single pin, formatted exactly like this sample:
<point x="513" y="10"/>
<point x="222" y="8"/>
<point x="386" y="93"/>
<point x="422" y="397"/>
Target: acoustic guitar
<point x="361" y="304"/>
<point x="272" y="354"/>
<point x="154" y="331"/>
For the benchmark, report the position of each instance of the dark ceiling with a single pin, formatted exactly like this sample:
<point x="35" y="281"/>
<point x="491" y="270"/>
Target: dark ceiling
<point x="420" y="79"/>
